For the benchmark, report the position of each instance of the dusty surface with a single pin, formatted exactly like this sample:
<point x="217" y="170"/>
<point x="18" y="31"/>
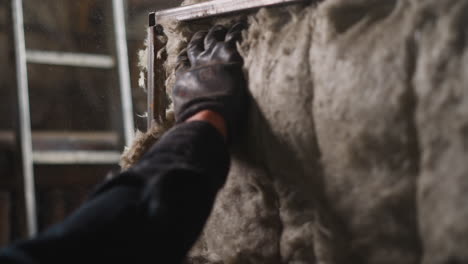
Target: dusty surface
<point x="357" y="141"/>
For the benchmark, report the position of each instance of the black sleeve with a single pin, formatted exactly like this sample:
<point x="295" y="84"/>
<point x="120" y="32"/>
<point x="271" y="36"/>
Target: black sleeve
<point x="152" y="213"/>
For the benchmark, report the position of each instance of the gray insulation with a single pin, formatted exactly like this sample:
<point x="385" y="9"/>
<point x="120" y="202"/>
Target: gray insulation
<point x="357" y="139"/>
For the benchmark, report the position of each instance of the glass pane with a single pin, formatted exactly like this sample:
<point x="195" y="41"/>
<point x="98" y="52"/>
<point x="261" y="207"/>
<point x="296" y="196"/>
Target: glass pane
<point x="7" y="73"/>
<point x="83" y="26"/>
<point x="78" y="99"/>
<point x="11" y="214"/>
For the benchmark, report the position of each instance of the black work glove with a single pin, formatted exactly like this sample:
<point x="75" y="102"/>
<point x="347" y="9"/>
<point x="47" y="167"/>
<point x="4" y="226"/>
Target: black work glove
<point x="210" y="77"/>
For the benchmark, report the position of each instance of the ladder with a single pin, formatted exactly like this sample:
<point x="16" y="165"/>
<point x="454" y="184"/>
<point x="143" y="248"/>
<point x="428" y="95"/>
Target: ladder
<point x="30" y="157"/>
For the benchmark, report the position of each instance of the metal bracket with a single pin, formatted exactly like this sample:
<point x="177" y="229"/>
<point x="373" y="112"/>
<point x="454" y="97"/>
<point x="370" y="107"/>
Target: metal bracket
<point x="157" y="101"/>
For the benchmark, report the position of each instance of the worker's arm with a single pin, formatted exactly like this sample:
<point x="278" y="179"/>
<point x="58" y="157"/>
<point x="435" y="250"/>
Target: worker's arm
<point x="155" y="211"/>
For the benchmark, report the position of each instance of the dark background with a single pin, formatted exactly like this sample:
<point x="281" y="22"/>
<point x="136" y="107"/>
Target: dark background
<point x="71" y="108"/>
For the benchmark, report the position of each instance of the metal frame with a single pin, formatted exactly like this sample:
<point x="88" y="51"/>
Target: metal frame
<point x="76" y="157"/>
<point x="150" y="71"/>
<point x="24" y="118"/>
<point x="70" y="59"/>
<point x="124" y="71"/>
<point x="157" y="101"/>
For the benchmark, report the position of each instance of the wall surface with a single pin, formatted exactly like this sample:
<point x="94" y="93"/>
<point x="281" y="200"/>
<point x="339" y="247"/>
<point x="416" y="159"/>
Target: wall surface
<point x="357" y="140"/>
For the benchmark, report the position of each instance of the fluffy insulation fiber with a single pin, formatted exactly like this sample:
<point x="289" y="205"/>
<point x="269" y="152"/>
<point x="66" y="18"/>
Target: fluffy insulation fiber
<point x="356" y="149"/>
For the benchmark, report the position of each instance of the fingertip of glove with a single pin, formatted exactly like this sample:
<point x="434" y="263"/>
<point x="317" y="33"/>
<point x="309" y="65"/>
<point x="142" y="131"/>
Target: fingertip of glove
<point x="197" y="39"/>
<point x="239" y="26"/>
<point x="216" y="33"/>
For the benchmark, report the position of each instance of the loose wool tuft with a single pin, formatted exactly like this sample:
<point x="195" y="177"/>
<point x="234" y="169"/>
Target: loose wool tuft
<point x="143" y="142"/>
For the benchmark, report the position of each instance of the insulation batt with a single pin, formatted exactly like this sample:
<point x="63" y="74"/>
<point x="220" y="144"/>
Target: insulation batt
<point x="356" y="147"/>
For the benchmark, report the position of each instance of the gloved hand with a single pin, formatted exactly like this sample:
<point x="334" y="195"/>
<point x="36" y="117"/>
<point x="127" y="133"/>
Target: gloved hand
<point x="210" y="77"/>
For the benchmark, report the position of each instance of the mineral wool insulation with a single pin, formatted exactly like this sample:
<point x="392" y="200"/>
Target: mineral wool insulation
<point x="356" y="147"/>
